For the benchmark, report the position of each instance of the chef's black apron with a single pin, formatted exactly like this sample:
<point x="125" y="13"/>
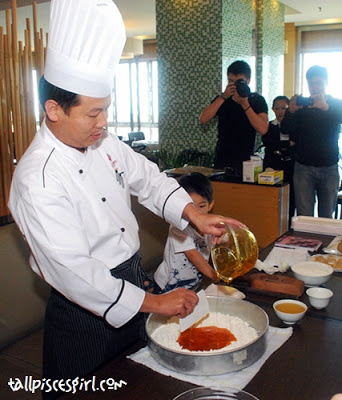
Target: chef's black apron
<point x="77" y="341"/>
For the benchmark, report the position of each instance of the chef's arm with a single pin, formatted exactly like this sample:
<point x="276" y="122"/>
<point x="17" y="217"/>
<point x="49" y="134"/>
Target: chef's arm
<point x="210" y="112"/>
<point x="179" y="302"/>
<point x="210" y="224"/>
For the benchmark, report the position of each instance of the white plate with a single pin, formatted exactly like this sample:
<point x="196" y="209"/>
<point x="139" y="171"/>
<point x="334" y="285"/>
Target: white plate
<point x="324" y="258"/>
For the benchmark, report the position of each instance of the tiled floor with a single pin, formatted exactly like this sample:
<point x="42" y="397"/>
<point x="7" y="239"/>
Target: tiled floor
<point x="24" y="358"/>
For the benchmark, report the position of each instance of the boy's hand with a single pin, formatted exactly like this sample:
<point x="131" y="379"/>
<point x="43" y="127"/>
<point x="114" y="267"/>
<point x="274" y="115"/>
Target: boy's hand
<point x="215" y="277"/>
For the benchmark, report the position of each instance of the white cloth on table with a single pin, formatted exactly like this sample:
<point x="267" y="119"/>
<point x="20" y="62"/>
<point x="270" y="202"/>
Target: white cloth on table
<point x="275" y="338"/>
<point x="224" y="291"/>
<point x="280" y="259"/>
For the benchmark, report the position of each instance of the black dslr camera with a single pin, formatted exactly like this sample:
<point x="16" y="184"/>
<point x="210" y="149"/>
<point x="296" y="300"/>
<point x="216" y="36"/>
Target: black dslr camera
<point x="242" y="88"/>
<point x="305" y="101"/>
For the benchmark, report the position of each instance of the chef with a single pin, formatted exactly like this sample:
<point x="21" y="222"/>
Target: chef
<point x="70" y="197"/>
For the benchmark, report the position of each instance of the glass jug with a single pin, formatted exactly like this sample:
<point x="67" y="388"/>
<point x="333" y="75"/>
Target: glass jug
<point x="234" y="253"/>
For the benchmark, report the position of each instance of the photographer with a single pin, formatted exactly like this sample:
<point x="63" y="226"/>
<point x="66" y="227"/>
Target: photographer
<point x="314" y="124"/>
<point x="240" y="115"/>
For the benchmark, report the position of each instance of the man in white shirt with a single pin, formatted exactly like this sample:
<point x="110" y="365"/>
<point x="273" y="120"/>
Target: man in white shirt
<point x="70" y="197"/>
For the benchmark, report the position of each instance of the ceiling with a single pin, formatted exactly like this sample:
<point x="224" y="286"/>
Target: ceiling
<point x="139" y="15"/>
<point x="312" y="11"/>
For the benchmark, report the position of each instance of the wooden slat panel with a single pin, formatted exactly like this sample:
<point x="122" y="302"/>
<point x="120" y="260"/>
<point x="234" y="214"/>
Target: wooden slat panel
<point x="5" y="4"/>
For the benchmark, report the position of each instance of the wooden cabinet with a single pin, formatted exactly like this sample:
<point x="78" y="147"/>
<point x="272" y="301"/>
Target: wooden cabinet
<point x="263" y="208"/>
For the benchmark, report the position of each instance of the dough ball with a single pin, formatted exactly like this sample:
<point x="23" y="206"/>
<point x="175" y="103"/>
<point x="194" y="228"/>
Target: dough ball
<point x="339" y="247"/>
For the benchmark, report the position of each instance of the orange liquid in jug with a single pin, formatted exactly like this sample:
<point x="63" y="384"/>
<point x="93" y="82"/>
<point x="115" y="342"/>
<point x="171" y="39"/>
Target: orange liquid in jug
<point x="231" y="261"/>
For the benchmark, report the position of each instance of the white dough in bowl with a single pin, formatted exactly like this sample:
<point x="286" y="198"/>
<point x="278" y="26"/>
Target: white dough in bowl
<point x="312" y="269"/>
<point x="167" y="334"/>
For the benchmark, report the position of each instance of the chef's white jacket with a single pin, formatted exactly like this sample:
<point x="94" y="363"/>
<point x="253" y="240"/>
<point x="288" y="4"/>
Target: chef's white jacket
<point x="74" y="210"/>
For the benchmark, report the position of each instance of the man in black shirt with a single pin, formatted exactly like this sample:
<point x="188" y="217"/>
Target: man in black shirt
<point x="315" y="128"/>
<point x="240" y="116"/>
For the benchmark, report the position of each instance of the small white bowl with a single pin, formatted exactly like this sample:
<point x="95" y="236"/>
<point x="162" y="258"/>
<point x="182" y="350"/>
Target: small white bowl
<point x="312" y="273"/>
<point x="291" y="310"/>
<point x="319" y="297"/>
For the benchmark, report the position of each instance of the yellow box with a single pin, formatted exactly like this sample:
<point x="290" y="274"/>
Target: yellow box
<point x="271" y="178"/>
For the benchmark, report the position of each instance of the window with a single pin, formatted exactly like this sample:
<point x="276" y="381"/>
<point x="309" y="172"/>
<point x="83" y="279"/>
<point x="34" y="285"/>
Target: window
<point x="332" y="61"/>
<point x="321" y="46"/>
<point x="135" y="99"/>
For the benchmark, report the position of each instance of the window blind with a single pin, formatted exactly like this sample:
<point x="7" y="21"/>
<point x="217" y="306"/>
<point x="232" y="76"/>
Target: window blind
<point x="321" y="40"/>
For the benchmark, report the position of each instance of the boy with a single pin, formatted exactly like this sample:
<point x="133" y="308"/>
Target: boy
<point x="187" y="252"/>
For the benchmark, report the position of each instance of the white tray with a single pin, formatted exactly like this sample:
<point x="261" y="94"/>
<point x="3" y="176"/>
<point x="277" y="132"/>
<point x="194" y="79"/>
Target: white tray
<point x="325" y="226"/>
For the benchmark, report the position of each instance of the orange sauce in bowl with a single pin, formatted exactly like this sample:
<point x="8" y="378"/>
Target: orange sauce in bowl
<point x="205" y="338"/>
<point x="290" y="308"/>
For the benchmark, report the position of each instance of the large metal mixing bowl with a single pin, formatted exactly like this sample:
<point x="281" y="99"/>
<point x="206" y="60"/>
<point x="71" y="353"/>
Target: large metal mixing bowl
<point x="215" y="363"/>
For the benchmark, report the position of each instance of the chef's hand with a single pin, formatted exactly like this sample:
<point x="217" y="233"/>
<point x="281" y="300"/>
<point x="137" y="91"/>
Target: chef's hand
<point x="210" y="224"/>
<point x="179" y="302"/>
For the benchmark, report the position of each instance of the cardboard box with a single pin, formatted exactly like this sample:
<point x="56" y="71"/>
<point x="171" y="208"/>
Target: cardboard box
<point x="258" y="160"/>
<point x="271" y="178"/>
<point x="251" y="169"/>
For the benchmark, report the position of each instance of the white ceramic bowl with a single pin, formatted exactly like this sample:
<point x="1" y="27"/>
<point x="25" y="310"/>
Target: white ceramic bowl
<point x="289" y="311"/>
<point x="312" y="273"/>
<point x="319" y="297"/>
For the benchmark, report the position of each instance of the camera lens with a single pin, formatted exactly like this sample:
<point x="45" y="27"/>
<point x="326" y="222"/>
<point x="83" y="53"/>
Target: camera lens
<point x="242" y="88"/>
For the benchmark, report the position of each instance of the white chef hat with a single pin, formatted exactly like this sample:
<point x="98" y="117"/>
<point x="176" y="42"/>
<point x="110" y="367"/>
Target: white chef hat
<point x="86" y="38"/>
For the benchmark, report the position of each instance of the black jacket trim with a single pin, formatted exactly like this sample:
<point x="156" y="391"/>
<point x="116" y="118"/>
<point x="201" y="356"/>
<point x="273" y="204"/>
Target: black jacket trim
<point x="168" y="199"/>
<point x="116" y="301"/>
<point x="43" y="172"/>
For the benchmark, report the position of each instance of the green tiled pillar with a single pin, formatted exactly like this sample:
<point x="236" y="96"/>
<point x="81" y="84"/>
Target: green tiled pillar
<point x="196" y="41"/>
<point x="273" y="31"/>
